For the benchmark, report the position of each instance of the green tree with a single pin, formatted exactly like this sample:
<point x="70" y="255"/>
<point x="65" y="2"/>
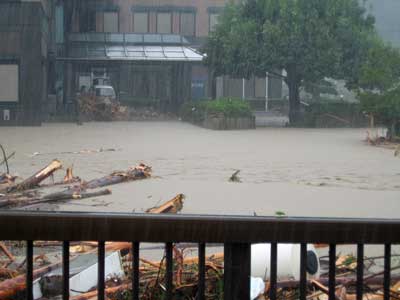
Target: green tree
<point x="379" y="86"/>
<point x="309" y="39"/>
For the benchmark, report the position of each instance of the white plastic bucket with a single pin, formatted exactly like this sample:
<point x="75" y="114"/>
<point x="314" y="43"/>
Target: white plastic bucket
<point x="288" y="261"/>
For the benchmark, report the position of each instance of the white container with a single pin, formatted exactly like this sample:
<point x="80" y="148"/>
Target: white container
<point x="257" y="287"/>
<point x="288" y="261"/>
<point x="87" y="279"/>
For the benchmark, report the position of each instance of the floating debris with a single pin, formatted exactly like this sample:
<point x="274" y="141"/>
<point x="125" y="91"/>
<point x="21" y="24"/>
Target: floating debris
<point x="235" y="177"/>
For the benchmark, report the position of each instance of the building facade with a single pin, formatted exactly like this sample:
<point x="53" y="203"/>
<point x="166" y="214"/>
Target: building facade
<point x="145" y="31"/>
<point x="24" y="60"/>
<point x="147" y="50"/>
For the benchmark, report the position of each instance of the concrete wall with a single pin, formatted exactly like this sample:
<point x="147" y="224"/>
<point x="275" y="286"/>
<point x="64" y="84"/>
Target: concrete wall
<point x="22" y="42"/>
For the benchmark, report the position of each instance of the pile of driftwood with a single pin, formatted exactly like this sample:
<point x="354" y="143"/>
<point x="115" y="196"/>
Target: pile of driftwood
<point x="100" y="108"/>
<point x="13" y="278"/>
<point x="185" y="276"/>
<point x="382" y="141"/>
<point x="31" y="190"/>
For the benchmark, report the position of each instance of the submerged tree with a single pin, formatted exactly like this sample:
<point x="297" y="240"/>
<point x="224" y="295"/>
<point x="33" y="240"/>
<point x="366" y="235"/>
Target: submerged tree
<point x="379" y="86"/>
<point x="309" y="39"/>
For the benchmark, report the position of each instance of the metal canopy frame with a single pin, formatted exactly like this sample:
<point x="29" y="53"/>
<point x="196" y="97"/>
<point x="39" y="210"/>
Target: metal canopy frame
<point x="130" y="47"/>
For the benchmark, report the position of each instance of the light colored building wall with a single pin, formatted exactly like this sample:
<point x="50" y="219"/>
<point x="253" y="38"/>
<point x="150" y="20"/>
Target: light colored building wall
<point x="201" y="18"/>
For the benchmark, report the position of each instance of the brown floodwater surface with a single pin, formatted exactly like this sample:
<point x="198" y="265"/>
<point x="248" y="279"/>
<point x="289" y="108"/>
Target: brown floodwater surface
<point x="302" y="172"/>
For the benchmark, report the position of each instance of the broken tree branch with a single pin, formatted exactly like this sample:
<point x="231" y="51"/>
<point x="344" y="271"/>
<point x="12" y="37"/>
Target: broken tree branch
<point x="172" y="206"/>
<point x="5" y="159"/>
<point x="6" y="251"/>
<point x="140" y="172"/>
<point x="37" y="178"/>
<point x="69" y="194"/>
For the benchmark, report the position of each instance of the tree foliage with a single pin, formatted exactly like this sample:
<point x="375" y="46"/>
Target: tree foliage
<point x="309" y="39"/>
<point x="379" y="85"/>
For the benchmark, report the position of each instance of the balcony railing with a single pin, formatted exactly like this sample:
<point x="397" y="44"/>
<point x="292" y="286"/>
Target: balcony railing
<point x="236" y="233"/>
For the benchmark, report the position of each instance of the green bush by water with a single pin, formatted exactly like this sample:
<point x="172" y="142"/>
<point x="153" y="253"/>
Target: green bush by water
<point x="196" y="111"/>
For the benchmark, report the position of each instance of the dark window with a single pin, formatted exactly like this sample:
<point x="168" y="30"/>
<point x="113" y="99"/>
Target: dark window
<point x="187" y="24"/>
<point x="87" y="20"/>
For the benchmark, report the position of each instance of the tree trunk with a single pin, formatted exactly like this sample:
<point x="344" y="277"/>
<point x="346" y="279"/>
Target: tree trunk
<point x="393" y="130"/>
<point x="294" y="98"/>
<point x="37" y="178"/>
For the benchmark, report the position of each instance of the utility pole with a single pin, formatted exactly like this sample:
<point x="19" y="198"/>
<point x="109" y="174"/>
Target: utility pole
<point x="266" y="90"/>
<point x="243" y="89"/>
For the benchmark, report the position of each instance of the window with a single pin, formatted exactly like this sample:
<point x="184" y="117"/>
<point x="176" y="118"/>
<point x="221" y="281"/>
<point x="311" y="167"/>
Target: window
<point x="213" y="21"/>
<point x="188" y="26"/>
<point x="9" y="83"/>
<point x="260" y="87"/>
<point x="87" y="20"/>
<point x="141" y="22"/>
<point x="164" y="22"/>
<point x="111" y="22"/>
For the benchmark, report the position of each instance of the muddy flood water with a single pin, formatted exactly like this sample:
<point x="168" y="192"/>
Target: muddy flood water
<point x="302" y="172"/>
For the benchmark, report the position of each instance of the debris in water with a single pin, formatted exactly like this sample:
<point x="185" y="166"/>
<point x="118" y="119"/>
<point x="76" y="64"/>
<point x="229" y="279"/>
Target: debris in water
<point x="27" y="193"/>
<point x="280" y="214"/>
<point x="235" y="177"/>
<point x="84" y="151"/>
<point x="172" y="206"/>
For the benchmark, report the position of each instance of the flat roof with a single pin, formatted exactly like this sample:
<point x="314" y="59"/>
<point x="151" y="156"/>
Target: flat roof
<point x="130" y="47"/>
<point x="132" y="53"/>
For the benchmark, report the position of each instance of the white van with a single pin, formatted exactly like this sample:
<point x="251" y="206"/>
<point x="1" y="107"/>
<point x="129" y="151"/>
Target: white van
<point x="105" y="91"/>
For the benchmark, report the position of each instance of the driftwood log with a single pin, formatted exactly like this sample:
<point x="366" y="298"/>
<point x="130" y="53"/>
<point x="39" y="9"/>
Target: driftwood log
<point x="69" y="194"/>
<point x="140" y="172"/>
<point x="172" y="206"/>
<point x="10" y="287"/>
<point x="37" y="178"/>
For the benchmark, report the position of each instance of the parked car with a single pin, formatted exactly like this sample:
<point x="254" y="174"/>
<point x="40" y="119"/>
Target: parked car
<point x="105" y="91"/>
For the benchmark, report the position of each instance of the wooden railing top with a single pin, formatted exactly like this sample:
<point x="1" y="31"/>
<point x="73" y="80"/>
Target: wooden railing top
<point x="75" y="226"/>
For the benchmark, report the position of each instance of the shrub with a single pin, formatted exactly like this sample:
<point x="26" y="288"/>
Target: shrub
<point x="333" y="112"/>
<point x="196" y="111"/>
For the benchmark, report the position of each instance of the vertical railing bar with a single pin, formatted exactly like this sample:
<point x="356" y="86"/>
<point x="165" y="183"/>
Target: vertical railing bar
<point x="228" y="258"/>
<point x="202" y="272"/>
<point x="303" y="271"/>
<point x="274" y="271"/>
<point x="386" y="276"/>
<point x="101" y="270"/>
<point x="169" y="270"/>
<point x="135" y="270"/>
<point x="332" y="271"/>
<point x="360" y="271"/>
<point x="65" y="269"/>
<point x="29" y="270"/>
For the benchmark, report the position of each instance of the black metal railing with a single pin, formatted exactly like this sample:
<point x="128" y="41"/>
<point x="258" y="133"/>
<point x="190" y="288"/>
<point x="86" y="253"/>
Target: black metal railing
<point x="235" y="232"/>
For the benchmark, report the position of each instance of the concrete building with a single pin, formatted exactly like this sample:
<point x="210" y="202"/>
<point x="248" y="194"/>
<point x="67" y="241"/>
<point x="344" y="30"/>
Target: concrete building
<point x="148" y="50"/>
<point x="24" y="60"/>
